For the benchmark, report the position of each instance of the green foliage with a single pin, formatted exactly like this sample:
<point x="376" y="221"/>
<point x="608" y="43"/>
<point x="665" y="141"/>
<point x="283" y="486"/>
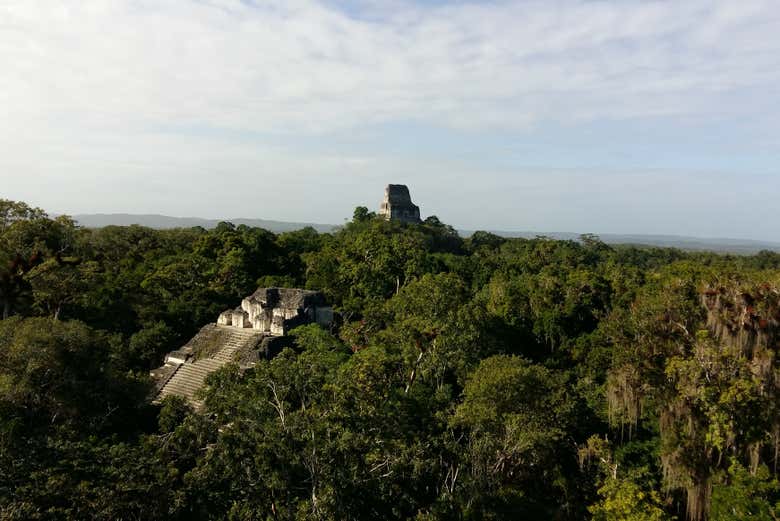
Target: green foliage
<point x="148" y="344"/>
<point x="365" y="262"/>
<point x="362" y="214"/>
<point x="485" y="378"/>
<point x="516" y="415"/>
<point x="711" y="386"/>
<point x="744" y="495"/>
<point x="14" y="211"/>
<point x="624" y="500"/>
<point x="62" y="373"/>
<point x="623" y="495"/>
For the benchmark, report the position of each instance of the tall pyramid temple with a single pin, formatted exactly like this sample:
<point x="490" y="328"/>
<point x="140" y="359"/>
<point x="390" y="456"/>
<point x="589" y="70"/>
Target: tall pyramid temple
<point x="398" y="206"/>
<point x="256" y="329"/>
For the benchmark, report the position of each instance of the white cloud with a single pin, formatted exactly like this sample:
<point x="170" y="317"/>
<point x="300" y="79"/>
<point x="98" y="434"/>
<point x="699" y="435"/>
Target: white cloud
<point x="300" y="66"/>
<point x="109" y="105"/>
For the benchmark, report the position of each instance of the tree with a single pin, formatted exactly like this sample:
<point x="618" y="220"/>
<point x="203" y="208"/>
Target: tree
<point x="624" y="495"/>
<point x="366" y="262"/>
<point x="701" y="362"/>
<point x="742" y="494"/>
<point x="60" y="281"/>
<point x="361" y="214"/>
<point x="515" y="415"/>
<point x="13" y="211"/>
<point x="62" y="372"/>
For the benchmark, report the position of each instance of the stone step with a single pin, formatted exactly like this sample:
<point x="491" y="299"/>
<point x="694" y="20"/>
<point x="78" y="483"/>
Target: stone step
<point x="189" y="374"/>
<point x="184" y="392"/>
<point x="198" y="368"/>
<point x="190" y="377"/>
<point x="186" y="388"/>
<point x="247" y="331"/>
<point x="203" y="362"/>
<point x="187" y="380"/>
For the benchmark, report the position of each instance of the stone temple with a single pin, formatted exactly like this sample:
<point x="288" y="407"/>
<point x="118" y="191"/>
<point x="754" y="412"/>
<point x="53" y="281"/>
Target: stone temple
<point x="256" y="329"/>
<point x="277" y="310"/>
<point x="398" y="206"/>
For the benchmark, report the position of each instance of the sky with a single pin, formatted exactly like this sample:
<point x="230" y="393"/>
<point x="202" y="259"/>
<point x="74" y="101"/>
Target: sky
<point x="599" y="116"/>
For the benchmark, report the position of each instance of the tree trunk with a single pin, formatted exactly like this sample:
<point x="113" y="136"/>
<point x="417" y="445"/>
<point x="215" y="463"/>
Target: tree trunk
<point x="413" y="374"/>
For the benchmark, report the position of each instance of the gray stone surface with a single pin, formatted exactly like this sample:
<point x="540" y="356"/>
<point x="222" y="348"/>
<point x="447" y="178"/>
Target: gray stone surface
<point x="398" y="206"/>
<point x="185" y="379"/>
<point x="268" y="313"/>
<point x="277" y="310"/>
<point x="179" y="356"/>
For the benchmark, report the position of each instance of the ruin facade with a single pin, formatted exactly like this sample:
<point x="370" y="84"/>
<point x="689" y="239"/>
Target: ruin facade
<point x="277" y="310"/>
<point x="256" y="329"/>
<point x="397" y="205"/>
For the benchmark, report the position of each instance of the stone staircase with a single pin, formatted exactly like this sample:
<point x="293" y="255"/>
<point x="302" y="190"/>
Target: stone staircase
<point x="190" y="376"/>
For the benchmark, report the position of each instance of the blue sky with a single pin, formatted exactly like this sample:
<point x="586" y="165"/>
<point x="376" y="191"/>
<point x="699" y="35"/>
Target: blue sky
<point x="587" y="116"/>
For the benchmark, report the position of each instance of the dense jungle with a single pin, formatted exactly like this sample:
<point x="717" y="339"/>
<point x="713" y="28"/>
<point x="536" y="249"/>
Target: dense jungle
<point x="476" y="378"/>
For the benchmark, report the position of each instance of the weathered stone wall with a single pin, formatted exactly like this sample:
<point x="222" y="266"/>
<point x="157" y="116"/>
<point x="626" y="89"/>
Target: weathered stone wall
<point x="269" y="314"/>
<point x="277" y="310"/>
<point x="225" y="318"/>
<point x="398" y="206"/>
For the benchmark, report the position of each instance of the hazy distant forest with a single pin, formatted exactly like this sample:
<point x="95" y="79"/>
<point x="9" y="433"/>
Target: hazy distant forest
<point x="466" y="378"/>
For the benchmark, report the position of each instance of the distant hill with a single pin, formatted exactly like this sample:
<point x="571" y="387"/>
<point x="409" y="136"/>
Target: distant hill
<point x="100" y="220"/>
<point x="722" y="245"/>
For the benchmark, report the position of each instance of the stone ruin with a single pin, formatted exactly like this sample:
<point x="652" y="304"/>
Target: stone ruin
<point x="277" y="310"/>
<point x="256" y="329"/>
<point x="397" y="205"/>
